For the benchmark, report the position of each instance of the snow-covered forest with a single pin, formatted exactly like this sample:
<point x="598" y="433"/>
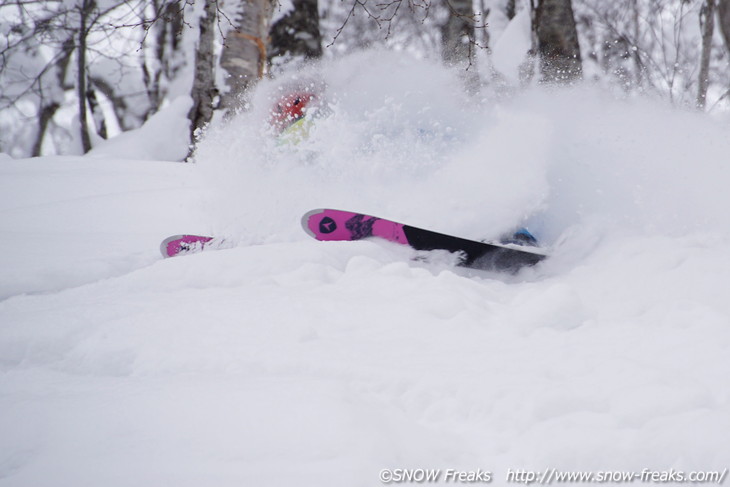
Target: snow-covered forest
<point x="74" y="73"/>
<point x="279" y="360"/>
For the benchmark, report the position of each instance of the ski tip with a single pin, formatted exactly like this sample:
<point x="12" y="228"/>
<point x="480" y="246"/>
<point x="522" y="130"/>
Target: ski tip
<point x="306" y="219"/>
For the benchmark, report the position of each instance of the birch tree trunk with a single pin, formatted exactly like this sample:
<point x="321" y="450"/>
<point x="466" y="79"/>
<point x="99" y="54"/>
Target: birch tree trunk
<point x="204" y="90"/>
<point x="707" y="25"/>
<point x="244" y="51"/>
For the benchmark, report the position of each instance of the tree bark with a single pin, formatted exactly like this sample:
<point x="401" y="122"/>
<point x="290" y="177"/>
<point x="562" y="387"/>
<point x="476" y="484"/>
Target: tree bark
<point x="151" y="72"/>
<point x="557" y="36"/>
<point x="707" y="25"/>
<point x="119" y="103"/>
<point x="723" y="14"/>
<point x="636" y="31"/>
<point x="44" y="118"/>
<point x="204" y="90"/>
<point x="244" y="52"/>
<point x="97" y="115"/>
<point x="49" y="109"/>
<point x="458" y="33"/>
<point x="87" y="7"/>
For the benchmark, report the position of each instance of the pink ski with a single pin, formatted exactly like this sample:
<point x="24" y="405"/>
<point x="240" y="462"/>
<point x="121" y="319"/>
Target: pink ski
<point x="184" y="244"/>
<point x="331" y="225"/>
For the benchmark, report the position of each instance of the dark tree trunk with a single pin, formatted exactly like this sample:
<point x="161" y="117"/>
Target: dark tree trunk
<point x="96" y="114"/>
<point x="87" y="7"/>
<point x="557" y="38"/>
<point x="510" y="9"/>
<point x="44" y="118"/>
<point x="636" y="31"/>
<point x="49" y="109"/>
<point x="707" y="25"/>
<point x="119" y="103"/>
<point x="723" y="14"/>
<point x="297" y="33"/>
<point x="457" y="33"/>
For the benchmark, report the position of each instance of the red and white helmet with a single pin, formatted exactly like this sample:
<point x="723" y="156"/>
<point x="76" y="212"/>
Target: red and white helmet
<point x="290" y="108"/>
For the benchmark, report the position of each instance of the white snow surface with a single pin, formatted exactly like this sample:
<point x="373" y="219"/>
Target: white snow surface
<point x="286" y="361"/>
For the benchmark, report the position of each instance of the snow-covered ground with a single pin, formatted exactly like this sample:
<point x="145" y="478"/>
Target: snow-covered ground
<point x="285" y="361"/>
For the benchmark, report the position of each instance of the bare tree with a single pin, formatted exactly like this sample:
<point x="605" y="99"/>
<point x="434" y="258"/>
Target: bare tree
<point x="650" y="46"/>
<point x="161" y="58"/>
<point x="70" y="30"/>
<point x="30" y="79"/>
<point x="411" y="24"/>
<point x="455" y="29"/>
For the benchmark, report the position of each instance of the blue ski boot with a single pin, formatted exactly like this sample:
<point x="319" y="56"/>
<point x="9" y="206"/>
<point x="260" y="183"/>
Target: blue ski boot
<point x="521" y="237"/>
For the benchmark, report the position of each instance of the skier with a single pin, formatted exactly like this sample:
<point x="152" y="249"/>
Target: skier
<point x="290" y="110"/>
<point x="292" y="119"/>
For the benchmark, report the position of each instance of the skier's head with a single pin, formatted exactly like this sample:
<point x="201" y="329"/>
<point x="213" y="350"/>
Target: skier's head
<point x="290" y="108"/>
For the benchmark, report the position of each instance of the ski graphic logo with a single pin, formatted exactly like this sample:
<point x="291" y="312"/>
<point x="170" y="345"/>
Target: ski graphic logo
<point x="360" y="227"/>
<point x="327" y="225"/>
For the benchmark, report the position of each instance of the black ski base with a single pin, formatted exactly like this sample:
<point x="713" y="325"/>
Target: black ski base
<point x="478" y="255"/>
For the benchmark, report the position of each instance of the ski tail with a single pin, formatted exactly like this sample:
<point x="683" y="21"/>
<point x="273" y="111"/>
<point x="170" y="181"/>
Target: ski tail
<point x="480" y="255"/>
<point x="183" y="244"/>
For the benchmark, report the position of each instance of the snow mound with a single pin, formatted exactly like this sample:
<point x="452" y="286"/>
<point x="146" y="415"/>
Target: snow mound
<point x="164" y="137"/>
